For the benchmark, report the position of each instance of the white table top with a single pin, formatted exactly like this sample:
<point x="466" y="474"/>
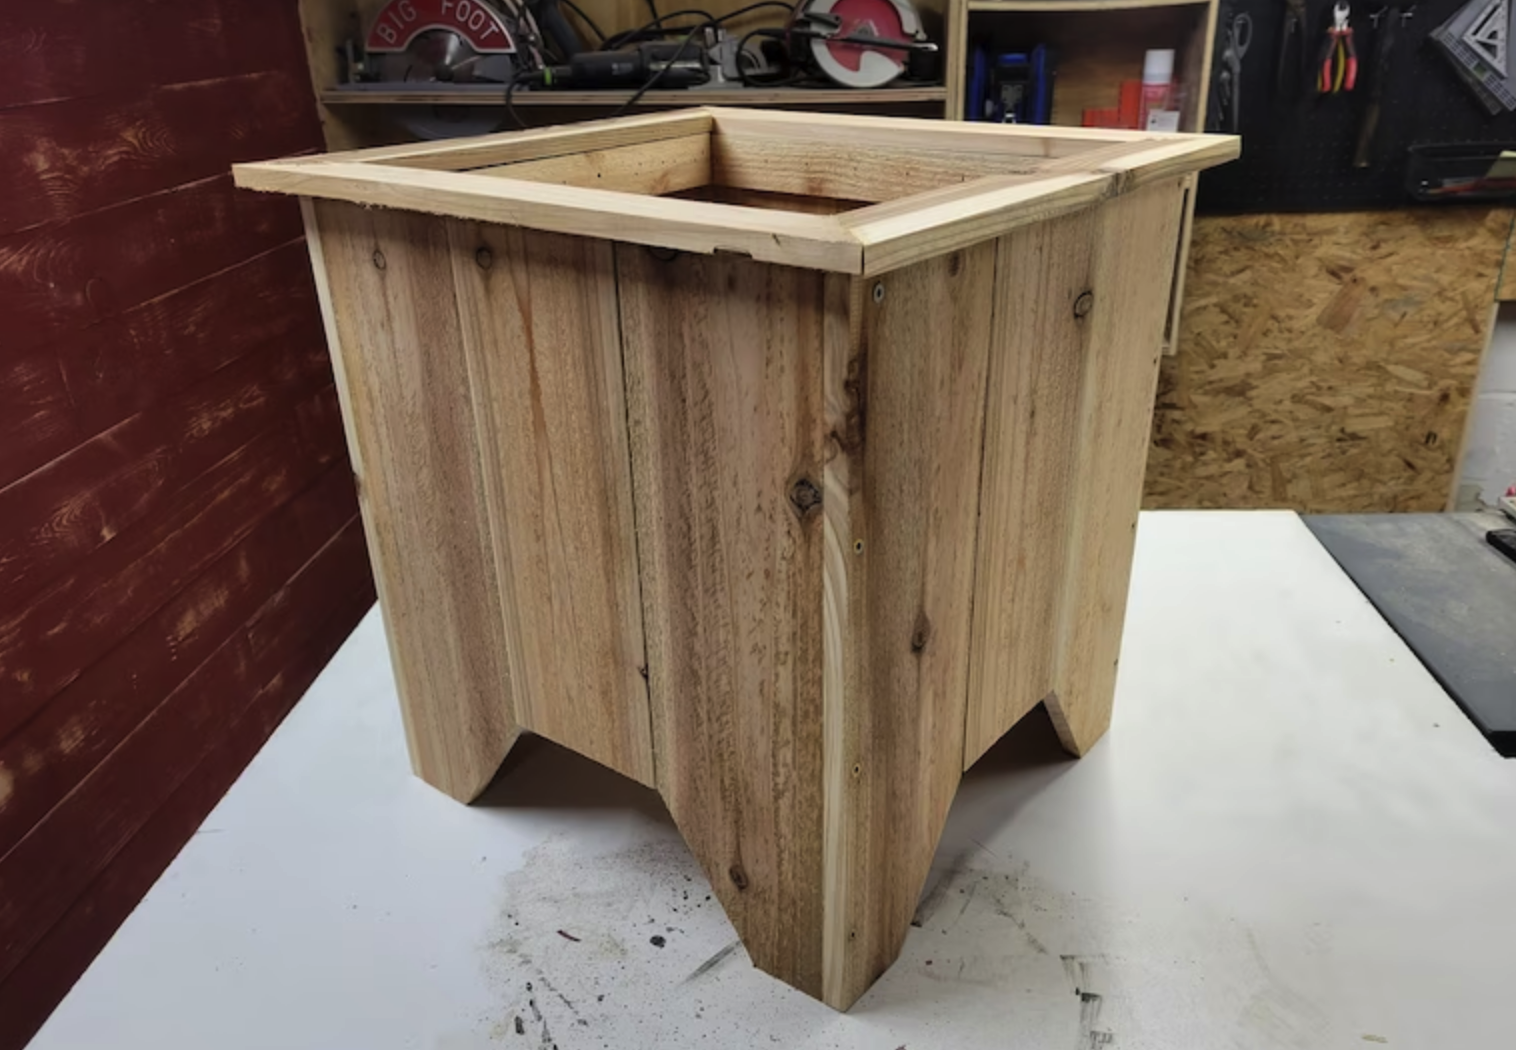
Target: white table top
<point x="1290" y="838"/>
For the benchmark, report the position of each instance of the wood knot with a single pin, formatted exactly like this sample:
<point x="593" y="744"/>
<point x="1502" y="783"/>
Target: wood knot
<point x="485" y="258"/>
<point x="922" y="634"/>
<point x="955" y="264"/>
<point x="805" y="496"/>
<point x="1084" y="304"/>
<point x="379" y="261"/>
<point x="738" y="876"/>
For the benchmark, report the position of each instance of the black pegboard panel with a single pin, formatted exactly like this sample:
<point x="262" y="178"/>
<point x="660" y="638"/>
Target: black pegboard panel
<point x="1297" y="153"/>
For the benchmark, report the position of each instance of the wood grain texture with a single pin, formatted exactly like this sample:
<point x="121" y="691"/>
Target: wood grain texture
<point x="1022" y="177"/>
<point x="485" y="151"/>
<point x="387" y="289"/>
<point x="1038" y="361"/>
<point x="80" y="154"/>
<point x="49" y="52"/>
<point x="50" y="969"/>
<point x="85" y="721"/>
<point x="83" y="499"/>
<point x="1135" y="241"/>
<point x="543" y="343"/>
<point x="723" y="384"/>
<point x="656" y="168"/>
<point x="170" y="461"/>
<point x="904" y="442"/>
<point x="814" y="241"/>
<point x="65" y="276"/>
<point x="152" y="351"/>
<point x="45" y="872"/>
<point x="108" y="594"/>
<point x="56" y="396"/>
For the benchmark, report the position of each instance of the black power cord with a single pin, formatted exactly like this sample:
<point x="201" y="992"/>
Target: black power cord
<point x="656" y="28"/>
<point x="586" y="19"/>
<point x="709" y="23"/>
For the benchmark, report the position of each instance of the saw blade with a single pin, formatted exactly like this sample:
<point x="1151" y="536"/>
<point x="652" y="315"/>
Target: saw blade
<point x="860" y="65"/>
<point x="442" y="57"/>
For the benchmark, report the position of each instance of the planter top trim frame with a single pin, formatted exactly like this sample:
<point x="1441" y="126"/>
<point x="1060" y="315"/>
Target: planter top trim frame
<point x="900" y="190"/>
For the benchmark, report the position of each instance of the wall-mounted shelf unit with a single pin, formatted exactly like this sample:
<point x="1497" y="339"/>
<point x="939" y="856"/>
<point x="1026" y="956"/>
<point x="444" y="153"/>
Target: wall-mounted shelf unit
<point x="799" y="98"/>
<point x="1078" y="5"/>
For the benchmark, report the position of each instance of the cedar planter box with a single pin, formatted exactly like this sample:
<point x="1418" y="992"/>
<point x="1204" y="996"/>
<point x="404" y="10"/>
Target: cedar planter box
<point x="779" y="461"/>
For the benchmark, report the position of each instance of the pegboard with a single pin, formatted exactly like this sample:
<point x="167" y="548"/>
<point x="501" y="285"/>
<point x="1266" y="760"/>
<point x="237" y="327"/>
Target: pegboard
<point x="1297" y="153"/>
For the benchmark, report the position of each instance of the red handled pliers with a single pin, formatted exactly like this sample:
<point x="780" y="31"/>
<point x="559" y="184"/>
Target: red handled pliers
<point x="1339" y="60"/>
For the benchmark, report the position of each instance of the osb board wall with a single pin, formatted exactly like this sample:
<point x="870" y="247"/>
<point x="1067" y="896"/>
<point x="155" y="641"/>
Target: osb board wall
<point x="1326" y="362"/>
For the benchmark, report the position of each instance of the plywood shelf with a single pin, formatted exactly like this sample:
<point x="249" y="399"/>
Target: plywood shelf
<point x="493" y="96"/>
<point x="1008" y="6"/>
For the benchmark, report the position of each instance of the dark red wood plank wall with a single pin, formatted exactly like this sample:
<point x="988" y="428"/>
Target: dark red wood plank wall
<point x="180" y="552"/>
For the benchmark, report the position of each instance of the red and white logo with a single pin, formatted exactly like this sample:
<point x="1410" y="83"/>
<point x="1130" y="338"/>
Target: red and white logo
<point x="476" y="22"/>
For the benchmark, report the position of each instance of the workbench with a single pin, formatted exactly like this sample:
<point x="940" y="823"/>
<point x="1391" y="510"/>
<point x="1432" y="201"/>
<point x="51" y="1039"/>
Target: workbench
<point x="1290" y="837"/>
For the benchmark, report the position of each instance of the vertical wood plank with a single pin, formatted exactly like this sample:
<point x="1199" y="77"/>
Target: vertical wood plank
<point x="542" y="336"/>
<point x="722" y="360"/>
<point x="1038" y="351"/>
<point x="1136" y="240"/>
<point x="906" y="413"/>
<point x="385" y="281"/>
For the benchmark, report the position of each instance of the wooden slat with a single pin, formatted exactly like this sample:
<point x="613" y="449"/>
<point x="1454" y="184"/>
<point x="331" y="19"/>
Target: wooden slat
<point x="53" y="51"/>
<point x="37" y="421"/>
<point x="542" y="339"/>
<point x="902" y="503"/>
<point x="849" y="130"/>
<point x="482" y="151"/>
<point x="49" y="640"/>
<point x="78" y="727"/>
<point x="983" y="210"/>
<point x="78" y="502"/>
<point x="778" y="163"/>
<point x="1137" y="237"/>
<point x="61" y="394"/>
<point x="890" y="167"/>
<point x="814" y="241"/>
<point x="65" y="276"/>
<point x="48" y="869"/>
<point x="1038" y="355"/>
<point x="50" y="969"/>
<point x="723" y="385"/>
<point x="386" y="285"/>
<point x="78" y="155"/>
<point x="935" y="221"/>
<point x="152" y="351"/>
<point x="667" y="166"/>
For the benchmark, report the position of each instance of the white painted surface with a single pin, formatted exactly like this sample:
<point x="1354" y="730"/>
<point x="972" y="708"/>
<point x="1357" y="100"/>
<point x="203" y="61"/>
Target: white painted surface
<point x="1290" y="838"/>
<point x="1489" y="462"/>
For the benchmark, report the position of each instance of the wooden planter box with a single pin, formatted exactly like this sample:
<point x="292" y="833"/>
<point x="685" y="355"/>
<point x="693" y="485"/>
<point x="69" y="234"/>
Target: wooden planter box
<point x="780" y="462"/>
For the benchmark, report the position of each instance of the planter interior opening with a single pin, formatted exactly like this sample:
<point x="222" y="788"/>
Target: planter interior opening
<point x="773" y="161"/>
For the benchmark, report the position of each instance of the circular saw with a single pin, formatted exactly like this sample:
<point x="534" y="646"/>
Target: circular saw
<point x="862" y="43"/>
<point x="454" y="43"/>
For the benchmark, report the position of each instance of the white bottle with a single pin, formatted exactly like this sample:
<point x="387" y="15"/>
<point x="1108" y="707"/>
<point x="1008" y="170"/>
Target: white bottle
<point x="1159" y="113"/>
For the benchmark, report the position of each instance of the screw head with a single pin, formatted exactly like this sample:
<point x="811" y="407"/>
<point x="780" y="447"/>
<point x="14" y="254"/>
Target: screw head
<point x="878" y="291"/>
<point x="379" y="262"/>
<point x="1084" y="304"/>
<point x="485" y="258"/>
